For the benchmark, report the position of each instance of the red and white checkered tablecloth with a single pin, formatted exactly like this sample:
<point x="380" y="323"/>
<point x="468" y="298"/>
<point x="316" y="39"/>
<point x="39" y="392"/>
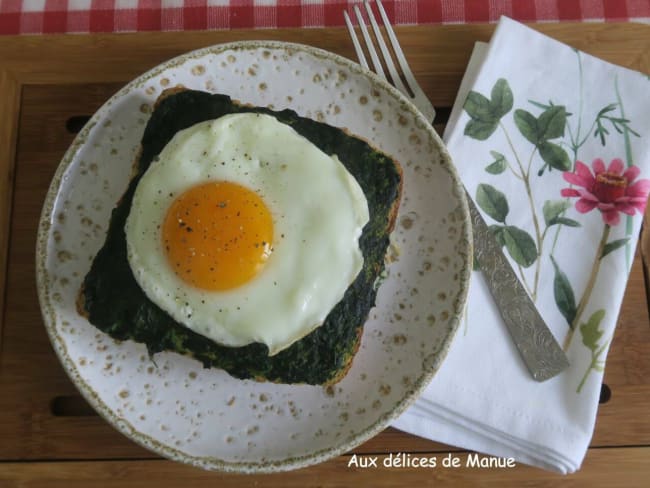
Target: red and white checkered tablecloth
<point x="83" y="16"/>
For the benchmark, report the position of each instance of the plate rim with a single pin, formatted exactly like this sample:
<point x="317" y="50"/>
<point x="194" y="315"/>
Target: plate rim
<point x="211" y="462"/>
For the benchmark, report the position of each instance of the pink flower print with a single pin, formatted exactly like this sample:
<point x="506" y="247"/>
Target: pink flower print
<point x="610" y="189"/>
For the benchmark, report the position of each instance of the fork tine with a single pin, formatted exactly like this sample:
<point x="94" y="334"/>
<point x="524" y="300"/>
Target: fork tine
<point x="355" y="40"/>
<point x="401" y="59"/>
<point x="388" y="59"/>
<point x="376" y="64"/>
<point x="408" y="85"/>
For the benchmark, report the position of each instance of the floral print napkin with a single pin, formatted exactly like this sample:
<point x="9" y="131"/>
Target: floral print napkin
<point x="552" y="145"/>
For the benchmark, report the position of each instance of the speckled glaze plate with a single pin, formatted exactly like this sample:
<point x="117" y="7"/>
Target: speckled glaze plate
<point x="206" y="418"/>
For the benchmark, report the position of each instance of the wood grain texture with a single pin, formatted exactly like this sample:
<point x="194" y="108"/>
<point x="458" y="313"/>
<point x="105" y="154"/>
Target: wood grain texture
<point x="46" y="80"/>
<point x="9" y="107"/>
<point x="644" y="246"/>
<point x="437" y="54"/>
<point x="626" y="466"/>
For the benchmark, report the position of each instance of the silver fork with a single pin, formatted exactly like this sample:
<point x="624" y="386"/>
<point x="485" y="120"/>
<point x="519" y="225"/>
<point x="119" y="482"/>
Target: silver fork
<point x="411" y="89"/>
<point x="540" y="351"/>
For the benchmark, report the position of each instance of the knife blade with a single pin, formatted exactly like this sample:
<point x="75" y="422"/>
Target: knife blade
<point x="541" y="353"/>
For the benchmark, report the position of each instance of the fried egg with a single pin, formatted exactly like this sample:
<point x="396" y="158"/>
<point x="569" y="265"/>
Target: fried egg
<point x="244" y="231"/>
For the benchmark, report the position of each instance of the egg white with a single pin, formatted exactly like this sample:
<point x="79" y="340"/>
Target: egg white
<point x="318" y="209"/>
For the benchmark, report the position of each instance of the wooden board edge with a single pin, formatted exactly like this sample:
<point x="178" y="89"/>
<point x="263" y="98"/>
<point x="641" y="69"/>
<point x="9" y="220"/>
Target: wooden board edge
<point x="644" y="245"/>
<point x="65" y="58"/>
<point x="626" y="466"/>
<point x="10" y="90"/>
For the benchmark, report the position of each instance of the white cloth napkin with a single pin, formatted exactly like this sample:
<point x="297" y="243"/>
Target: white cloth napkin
<point x="533" y="111"/>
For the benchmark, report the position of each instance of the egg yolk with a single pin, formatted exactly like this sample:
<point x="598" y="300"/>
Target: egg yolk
<point x="217" y="235"/>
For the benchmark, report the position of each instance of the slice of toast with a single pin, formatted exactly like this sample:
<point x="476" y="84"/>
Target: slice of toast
<point x="112" y="301"/>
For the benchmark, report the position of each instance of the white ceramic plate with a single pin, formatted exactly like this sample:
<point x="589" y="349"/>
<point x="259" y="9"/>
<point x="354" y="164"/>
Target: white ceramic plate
<point x="205" y="417"/>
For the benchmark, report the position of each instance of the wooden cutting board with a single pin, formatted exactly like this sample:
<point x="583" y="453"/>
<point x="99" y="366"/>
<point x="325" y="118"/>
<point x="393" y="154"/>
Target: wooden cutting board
<point x="49" y="86"/>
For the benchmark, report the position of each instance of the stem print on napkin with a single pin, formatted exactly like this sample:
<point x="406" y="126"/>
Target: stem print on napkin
<point x="556" y="136"/>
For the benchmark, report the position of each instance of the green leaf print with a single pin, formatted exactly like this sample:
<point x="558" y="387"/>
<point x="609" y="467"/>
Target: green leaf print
<point x="552" y="209"/>
<point x="499" y="164"/>
<point x="475" y="265"/>
<point x="538" y="131"/>
<point x="479" y="129"/>
<point x="541" y="105"/>
<point x="497" y="232"/>
<point x="591" y="333"/>
<point x="613" y="246"/>
<point x="492" y="202"/>
<point x="563" y="294"/>
<point x="551" y="123"/>
<point x="477" y="107"/>
<point x="620" y="124"/>
<point x="565" y="221"/>
<point x="520" y="245"/>
<point x="502" y="99"/>
<point x="486" y="113"/>
<point x="554" y="156"/>
<point x="591" y="336"/>
<point x="527" y="125"/>
<point x="546" y="106"/>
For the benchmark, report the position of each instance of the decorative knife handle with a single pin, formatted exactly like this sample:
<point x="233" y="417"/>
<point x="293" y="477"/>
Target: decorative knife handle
<point x="539" y="349"/>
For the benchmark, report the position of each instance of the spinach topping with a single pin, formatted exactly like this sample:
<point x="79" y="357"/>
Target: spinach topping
<point x="116" y="305"/>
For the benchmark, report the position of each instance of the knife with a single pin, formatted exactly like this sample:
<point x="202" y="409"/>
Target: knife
<point x="538" y="348"/>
